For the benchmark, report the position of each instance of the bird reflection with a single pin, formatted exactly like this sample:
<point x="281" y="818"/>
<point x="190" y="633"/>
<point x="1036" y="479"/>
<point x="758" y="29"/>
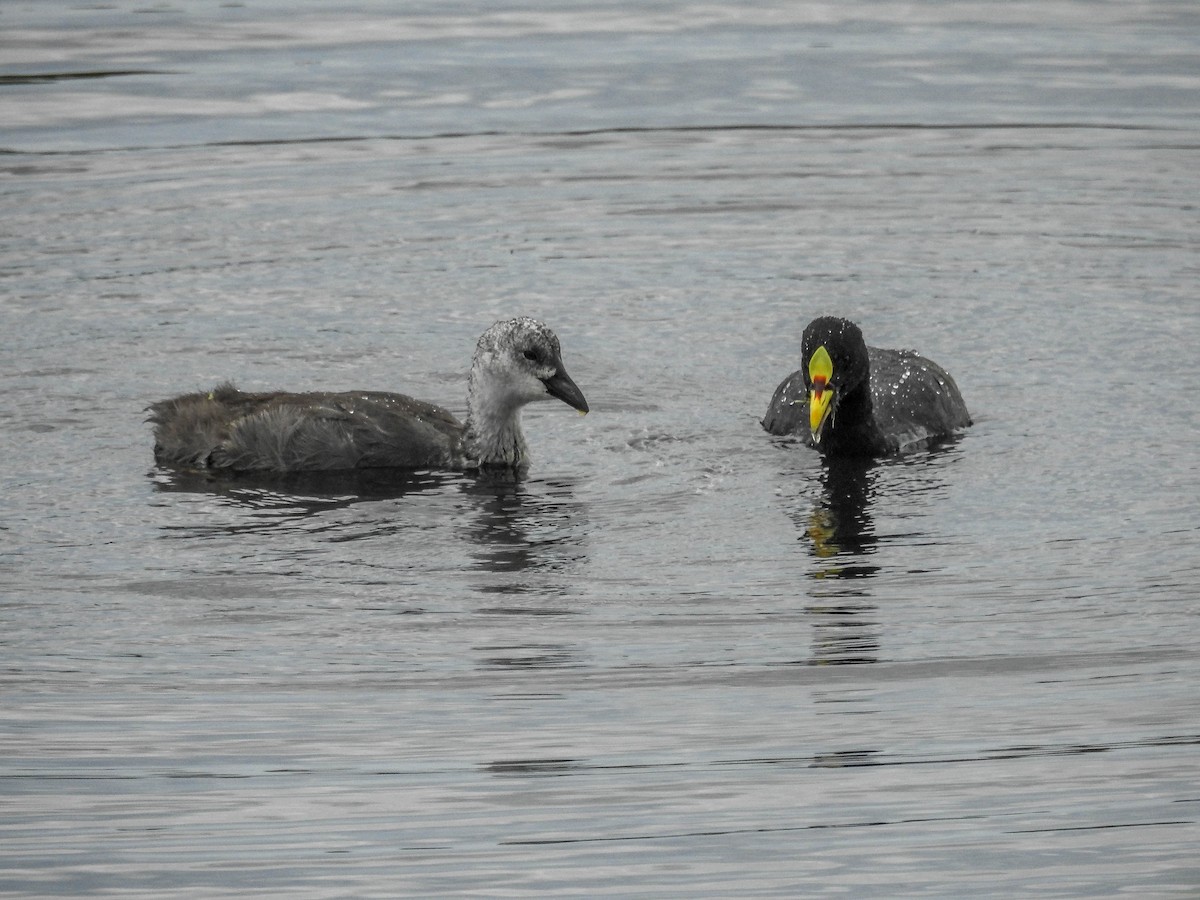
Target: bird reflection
<point x="844" y="759"/>
<point x="511" y="525"/>
<point x="519" y="529"/>
<point x="526" y="539"/>
<point x="839" y="526"/>
<point x="515" y="540"/>
<point x="839" y="532"/>
<point x="275" y="499"/>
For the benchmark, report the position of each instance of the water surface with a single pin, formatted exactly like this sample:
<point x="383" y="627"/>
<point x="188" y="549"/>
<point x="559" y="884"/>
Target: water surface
<point x="683" y="658"/>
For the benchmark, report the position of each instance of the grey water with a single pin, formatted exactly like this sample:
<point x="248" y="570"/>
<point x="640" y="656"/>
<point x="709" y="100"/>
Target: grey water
<point x="682" y="658"/>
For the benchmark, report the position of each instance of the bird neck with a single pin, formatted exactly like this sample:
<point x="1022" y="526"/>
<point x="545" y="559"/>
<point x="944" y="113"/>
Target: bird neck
<point x="492" y="434"/>
<point x="856" y="406"/>
<point x="853" y="430"/>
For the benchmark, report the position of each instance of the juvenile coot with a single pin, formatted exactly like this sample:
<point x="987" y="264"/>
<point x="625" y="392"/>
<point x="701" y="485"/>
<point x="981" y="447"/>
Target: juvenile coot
<point x="516" y="362"/>
<point x="855" y="400"/>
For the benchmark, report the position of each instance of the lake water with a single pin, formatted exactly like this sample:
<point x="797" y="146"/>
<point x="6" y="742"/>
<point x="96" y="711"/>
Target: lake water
<point x="683" y="658"/>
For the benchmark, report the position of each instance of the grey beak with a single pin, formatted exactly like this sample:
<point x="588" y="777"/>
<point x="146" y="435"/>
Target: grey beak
<point x="561" y="386"/>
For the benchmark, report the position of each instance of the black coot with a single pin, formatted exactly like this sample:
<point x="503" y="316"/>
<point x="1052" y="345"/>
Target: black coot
<point x="855" y="400"/>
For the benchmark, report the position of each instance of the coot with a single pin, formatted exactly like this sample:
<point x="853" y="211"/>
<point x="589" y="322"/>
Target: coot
<point x="516" y="362"/>
<point x="855" y="400"/>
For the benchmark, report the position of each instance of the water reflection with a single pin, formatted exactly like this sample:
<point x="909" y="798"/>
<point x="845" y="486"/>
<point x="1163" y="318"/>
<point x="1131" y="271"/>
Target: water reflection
<point x="520" y="528"/>
<point x="510" y="525"/>
<point x="509" y="541"/>
<point x="276" y="500"/>
<point x="329" y="487"/>
<point x="840" y="526"/>
<point x="524" y="539"/>
<point x="563" y="766"/>
<point x="842" y="759"/>
<point x="846" y="634"/>
<point x="839" y="532"/>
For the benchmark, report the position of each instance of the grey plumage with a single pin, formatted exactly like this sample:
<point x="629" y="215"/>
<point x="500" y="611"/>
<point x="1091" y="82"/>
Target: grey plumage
<point x="516" y="362"/>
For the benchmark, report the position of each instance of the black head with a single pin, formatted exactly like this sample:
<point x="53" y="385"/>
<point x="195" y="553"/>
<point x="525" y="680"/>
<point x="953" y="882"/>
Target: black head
<point x="834" y="363"/>
<point x="843" y="341"/>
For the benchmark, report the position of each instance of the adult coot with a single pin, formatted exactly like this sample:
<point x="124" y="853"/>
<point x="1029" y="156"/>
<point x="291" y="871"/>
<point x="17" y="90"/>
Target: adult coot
<point x="855" y="400"/>
<point x="516" y="361"/>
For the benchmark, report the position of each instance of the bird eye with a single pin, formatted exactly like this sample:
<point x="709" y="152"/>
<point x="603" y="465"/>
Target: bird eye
<point x="531" y="355"/>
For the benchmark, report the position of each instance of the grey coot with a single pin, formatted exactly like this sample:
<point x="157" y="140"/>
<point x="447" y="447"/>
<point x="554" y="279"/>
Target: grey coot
<point x="854" y="400"/>
<point x="516" y="362"/>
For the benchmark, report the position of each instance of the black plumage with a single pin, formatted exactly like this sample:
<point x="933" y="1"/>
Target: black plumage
<point x="875" y="401"/>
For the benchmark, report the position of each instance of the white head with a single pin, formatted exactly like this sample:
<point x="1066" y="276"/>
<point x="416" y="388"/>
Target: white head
<point x="516" y="362"/>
